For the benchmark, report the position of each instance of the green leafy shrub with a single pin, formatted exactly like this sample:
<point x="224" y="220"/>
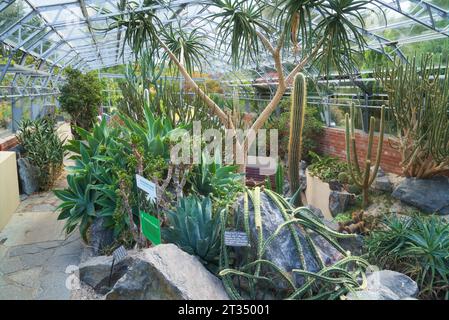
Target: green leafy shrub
<point x="43" y="148"/>
<point x="92" y="180"/>
<point x="327" y="168"/>
<point x="417" y="246"/>
<point x="313" y="127"/>
<point x="195" y="228"/>
<point x="105" y="168"/>
<point x="81" y="98"/>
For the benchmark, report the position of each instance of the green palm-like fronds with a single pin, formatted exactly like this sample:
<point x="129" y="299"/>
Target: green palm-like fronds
<point x="341" y="25"/>
<point x="141" y="27"/>
<point x="295" y="18"/>
<point x="238" y="23"/>
<point x="191" y="45"/>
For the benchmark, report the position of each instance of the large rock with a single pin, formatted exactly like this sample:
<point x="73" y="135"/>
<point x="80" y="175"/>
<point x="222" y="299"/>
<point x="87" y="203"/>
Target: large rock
<point x="353" y="245"/>
<point x="167" y="272"/>
<point x="97" y="272"/>
<point x="386" y="285"/>
<point x="100" y="237"/>
<point x="316" y="211"/>
<point x="282" y="250"/>
<point x="28" y="176"/>
<point x="428" y="195"/>
<point x="339" y="201"/>
<point x="382" y="182"/>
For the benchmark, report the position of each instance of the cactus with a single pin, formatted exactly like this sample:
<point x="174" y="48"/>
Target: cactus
<point x="278" y="179"/>
<point x="261" y="274"/>
<point x="297" y="112"/>
<point x="365" y="178"/>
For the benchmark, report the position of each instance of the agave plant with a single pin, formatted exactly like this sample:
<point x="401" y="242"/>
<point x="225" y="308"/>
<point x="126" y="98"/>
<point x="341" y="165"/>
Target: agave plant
<point x="78" y="206"/>
<point x="92" y="180"/>
<point x="153" y="131"/>
<point x="212" y="178"/>
<point x="195" y="228"/>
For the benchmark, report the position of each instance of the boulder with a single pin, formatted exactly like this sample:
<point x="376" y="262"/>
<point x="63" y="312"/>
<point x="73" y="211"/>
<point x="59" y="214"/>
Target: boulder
<point x="100" y="237"/>
<point x="428" y="195"/>
<point x="28" y="176"/>
<point x="316" y="211"/>
<point x="382" y="182"/>
<point x="386" y="285"/>
<point x="282" y="250"/>
<point x="96" y="272"/>
<point x="339" y="201"/>
<point x="353" y="245"/>
<point x="167" y="272"/>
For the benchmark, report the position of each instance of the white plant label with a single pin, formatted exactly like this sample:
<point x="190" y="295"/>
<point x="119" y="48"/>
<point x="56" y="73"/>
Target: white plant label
<point x="147" y="186"/>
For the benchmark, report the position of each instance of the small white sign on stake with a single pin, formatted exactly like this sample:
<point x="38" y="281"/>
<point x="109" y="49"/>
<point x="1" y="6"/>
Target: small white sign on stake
<point x="147" y="186"/>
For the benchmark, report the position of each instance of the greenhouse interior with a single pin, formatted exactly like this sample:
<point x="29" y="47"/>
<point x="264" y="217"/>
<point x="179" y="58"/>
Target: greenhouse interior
<point x="224" y="150"/>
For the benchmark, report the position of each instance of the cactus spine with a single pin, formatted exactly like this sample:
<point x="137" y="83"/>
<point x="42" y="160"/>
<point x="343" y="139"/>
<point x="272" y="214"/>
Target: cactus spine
<point x="364" y="178"/>
<point x="297" y="112"/>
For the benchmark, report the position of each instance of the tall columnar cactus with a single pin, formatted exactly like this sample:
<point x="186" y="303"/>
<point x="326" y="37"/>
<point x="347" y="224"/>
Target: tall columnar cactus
<point x="297" y="112"/>
<point x="364" y="178"/>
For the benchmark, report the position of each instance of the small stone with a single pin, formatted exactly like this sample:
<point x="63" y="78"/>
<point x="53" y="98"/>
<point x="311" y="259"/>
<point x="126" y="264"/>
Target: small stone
<point x="339" y="201"/>
<point x="354" y="245"/>
<point x="96" y="272"/>
<point x="382" y="182"/>
<point x="386" y="280"/>
<point x="369" y="295"/>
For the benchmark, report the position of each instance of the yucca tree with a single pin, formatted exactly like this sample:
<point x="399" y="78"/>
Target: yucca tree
<point x="244" y="31"/>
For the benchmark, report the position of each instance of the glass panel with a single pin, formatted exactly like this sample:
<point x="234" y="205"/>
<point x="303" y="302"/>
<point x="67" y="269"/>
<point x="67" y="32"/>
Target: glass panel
<point x="12" y="14"/>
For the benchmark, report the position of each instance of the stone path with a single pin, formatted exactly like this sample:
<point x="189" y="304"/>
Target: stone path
<point x="35" y="253"/>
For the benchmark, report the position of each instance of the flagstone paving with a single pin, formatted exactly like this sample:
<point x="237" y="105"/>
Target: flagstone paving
<point x="35" y="253"/>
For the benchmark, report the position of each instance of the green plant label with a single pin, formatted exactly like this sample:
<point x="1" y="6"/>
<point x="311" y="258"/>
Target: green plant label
<point x="151" y="227"/>
<point x="236" y="239"/>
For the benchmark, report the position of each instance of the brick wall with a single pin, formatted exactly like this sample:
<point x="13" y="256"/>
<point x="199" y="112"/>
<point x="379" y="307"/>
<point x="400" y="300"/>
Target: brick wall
<point x="8" y="142"/>
<point x="332" y="143"/>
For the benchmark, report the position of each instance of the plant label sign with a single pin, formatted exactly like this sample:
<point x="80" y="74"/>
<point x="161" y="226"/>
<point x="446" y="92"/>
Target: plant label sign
<point x="151" y="227"/>
<point x="119" y="254"/>
<point x="236" y="239"/>
<point x="147" y="186"/>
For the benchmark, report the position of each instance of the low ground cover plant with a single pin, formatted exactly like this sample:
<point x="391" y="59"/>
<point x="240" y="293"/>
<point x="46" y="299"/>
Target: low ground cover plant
<point x="417" y="246"/>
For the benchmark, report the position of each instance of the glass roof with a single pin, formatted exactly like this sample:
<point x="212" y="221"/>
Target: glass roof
<point x="62" y="33"/>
